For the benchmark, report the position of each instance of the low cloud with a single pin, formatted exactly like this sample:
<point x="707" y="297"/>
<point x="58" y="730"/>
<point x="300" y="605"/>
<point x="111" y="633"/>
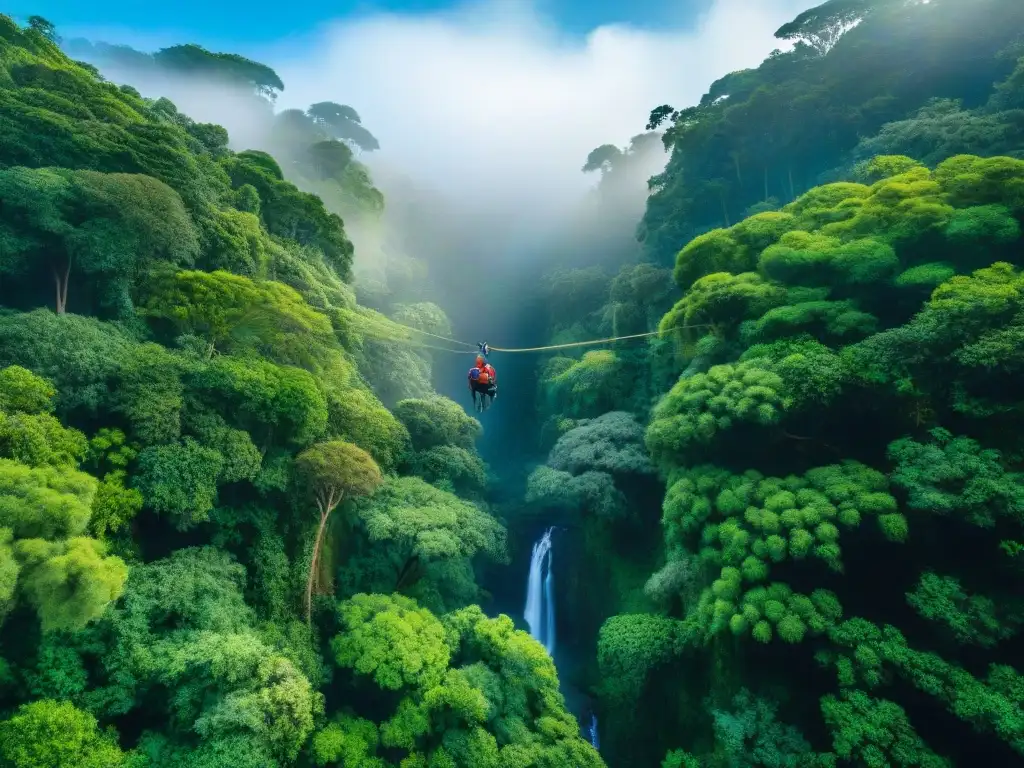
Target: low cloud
<point x="490" y="104"/>
<point x="498" y="106"/>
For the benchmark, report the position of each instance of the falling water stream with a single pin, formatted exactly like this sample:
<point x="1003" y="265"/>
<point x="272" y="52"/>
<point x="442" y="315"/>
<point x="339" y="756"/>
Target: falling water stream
<point x="540" y="607"/>
<point x="540" y="596"/>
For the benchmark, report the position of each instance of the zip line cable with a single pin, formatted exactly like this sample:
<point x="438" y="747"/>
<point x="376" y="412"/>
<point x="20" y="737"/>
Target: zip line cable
<point x="569" y="345"/>
<point x="473" y="347"/>
<point x="443" y="338"/>
<point x="385" y="330"/>
<point x="596" y="341"/>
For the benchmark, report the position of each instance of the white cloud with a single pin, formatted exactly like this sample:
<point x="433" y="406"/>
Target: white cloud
<point x="499" y="106"/>
<point x="491" y="105"/>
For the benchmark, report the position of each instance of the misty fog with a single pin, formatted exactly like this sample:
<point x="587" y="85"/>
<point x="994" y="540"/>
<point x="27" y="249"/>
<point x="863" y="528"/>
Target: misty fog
<point x="489" y="111"/>
<point x="485" y="118"/>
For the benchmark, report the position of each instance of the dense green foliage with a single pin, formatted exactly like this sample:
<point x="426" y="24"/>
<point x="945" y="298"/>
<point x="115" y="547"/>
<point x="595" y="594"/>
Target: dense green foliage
<point x="212" y="527"/>
<point x="760" y="137"/>
<point x="832" y="408"/>
<point x="239" y="527"/>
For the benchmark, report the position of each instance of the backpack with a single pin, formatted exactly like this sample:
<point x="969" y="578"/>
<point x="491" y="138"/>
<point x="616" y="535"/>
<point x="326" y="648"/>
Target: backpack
<point x="485" y="377"/>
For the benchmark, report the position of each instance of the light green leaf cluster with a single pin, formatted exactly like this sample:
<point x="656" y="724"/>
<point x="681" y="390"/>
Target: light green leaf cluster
<point x="356" y="415"/>
<point x="347" y="740"/>
<point x="722" y="301"/>
<point x="701" y="407"/>
<point x="46" y="505"/>
<point x="428" y="523"/>
<point x="473" y="691"/>
<point x="437" y="421"/>
<point x="237" y="315"/>
<point x="751" y="520"/>
<point x="814" y="259"/>
<point x="743" y="525"/>
<point x="632" y="646"/>
<point x="772" y="612"/>
<point x="51" y="734"/>
<point x="732" y="250"/>
<point x="587" y="387"/>
<point x="825" y="320"/>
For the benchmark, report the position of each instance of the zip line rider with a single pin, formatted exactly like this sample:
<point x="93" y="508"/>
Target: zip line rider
<point x="483" y="381"/>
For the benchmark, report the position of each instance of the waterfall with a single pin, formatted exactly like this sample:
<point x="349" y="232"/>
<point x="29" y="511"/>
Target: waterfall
<point x="540" y="594"/>
<point x="594" y="741"/>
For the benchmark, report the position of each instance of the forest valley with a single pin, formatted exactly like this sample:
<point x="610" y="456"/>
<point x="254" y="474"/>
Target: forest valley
<point x="789" y="523"/>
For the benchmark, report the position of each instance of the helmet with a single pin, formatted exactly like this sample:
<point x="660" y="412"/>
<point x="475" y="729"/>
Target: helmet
<point x="479" y="361"/>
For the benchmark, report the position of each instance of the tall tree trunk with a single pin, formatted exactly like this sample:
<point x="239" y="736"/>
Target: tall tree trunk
<point x="323" y="581"/>
<point x="725" y="210"/>
<point x="792" y="193"/>
<point x="326" y="506"/>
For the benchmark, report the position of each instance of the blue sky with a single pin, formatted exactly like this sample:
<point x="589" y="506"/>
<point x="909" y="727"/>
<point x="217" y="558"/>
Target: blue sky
<point x="221" y="21"/>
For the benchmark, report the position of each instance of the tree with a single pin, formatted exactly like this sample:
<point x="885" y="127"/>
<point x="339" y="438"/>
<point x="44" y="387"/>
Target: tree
<point x="194" y="60"/>
<point x="343" y="122"/>
<point x="52" y="734"/>
<point x="236" y="314"/>
<point x="44" y="27"/>
<point x="419" y="655"/>
<point x="277" y="405"/>
<point x="591" y="492"/>
<point x="462" y="690"/>
<point x="659" y="115"/>
<point x="21" y="390"/>
<point x="80" y="355"/>
<point x="942" y="129"/>
<point x="335" y="471"/>
<point x="603" y="158"/>
<point x="450" y="468"/>
<point x="419" y="524"/>
<point x="869" y="729"/>
<point x="287" y="211"/>
<point x="437" y="421"/>
<point x="66" y="577"/>
<point x="69" y="583"/>
<point x="821" y="27"/>
<point x="329" y="159"/>
<point x="112" y="226"/>
<point x="612" y="443"/>
<point x="180" y="480"/>
<point x="355" y="415"/>
<point x="183" y="626"/>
